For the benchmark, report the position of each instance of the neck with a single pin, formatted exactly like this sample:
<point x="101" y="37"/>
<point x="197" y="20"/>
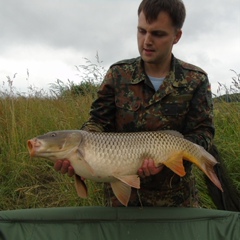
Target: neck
<point x="158" y="70"/>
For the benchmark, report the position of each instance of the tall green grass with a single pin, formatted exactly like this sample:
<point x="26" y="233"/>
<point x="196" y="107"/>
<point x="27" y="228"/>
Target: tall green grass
<point x="227" y="118"/>
<point x="26" y="183"/>
<point x="227" y="140"/>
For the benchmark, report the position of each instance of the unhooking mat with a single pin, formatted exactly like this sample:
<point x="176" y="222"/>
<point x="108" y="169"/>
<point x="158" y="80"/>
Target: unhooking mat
<point x="98" y="223"/>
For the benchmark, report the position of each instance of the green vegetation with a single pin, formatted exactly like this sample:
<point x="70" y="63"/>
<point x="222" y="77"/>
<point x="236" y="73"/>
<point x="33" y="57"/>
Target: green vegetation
<point x="227" y="140"/>
<point x="26" y="183"/>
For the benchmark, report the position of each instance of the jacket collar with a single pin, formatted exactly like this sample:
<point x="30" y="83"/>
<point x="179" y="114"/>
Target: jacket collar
<point x="175" y="77"/>
<point x="139" y="74"/>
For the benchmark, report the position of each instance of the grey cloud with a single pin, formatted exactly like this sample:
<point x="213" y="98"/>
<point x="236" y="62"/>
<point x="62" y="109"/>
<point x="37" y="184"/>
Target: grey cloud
<point x="76" y="24"/>
<point x="66" y="30"/>
<point x="211" y="17"/>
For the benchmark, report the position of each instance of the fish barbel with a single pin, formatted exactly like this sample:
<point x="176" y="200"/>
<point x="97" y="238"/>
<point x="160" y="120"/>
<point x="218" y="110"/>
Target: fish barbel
<point x="116" y="157"/>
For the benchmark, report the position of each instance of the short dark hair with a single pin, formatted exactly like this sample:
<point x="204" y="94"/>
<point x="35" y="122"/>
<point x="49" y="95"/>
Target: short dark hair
<point x="175" y="9"/>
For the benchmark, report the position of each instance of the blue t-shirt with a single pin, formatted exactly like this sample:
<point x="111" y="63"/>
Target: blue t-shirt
<point x="156" y="82"/>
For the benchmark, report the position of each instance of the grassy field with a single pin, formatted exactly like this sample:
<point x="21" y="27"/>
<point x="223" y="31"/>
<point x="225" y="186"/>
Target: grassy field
<point x="26" y="183"/>
<point x="227" y="140"/>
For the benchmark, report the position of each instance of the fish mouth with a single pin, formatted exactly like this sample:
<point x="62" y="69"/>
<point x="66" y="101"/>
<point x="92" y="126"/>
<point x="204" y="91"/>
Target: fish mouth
<point x="38" y="148"/>
<point x="32" y="144"/>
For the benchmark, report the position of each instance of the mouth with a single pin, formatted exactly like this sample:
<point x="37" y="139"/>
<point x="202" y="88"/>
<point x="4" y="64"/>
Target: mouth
<point x="148" y="51"/>
<point x="32" y="144"/>
<point x="38" y="148"/>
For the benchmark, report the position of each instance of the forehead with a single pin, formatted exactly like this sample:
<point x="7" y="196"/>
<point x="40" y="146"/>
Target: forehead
<point x="163" y="22"/>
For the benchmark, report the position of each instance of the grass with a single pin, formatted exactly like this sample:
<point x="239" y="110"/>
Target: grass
<point x="227" y="117"/>
<point x="26" y="183"/>
<point x="227" y="140"/>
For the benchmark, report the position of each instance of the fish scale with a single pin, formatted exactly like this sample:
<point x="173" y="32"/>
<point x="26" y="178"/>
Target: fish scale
<point x="133" y="145"/>
<point x="124" y="153"/>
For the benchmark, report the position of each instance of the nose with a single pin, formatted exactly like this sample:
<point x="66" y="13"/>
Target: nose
<point x="148" y="39"/>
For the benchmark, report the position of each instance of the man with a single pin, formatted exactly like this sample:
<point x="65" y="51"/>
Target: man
<point x="155" y="91"/>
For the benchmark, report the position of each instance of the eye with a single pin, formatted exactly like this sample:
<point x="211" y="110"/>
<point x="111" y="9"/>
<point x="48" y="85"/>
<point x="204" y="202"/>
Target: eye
<point x="53" y="134"/>
<point x="141" y="30"/>
<point x="159" y="34"/>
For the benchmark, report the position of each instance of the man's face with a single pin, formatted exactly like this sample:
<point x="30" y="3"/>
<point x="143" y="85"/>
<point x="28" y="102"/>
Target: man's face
<point x="156" y="39"/>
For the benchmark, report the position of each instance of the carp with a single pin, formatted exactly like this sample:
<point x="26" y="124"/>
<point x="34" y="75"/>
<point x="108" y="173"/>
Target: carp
<point x="116" y="157"/>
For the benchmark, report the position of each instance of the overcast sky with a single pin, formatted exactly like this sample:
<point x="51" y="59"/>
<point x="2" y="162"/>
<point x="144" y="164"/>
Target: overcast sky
<point x="51" y="37"/>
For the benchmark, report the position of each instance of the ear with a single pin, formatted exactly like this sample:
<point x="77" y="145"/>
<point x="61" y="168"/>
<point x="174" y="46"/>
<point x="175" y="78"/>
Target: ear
<point x="178" y="36"/>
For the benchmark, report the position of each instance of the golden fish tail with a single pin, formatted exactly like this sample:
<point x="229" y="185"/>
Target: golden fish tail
<point x="206" y="164"/>
<point x="208" y="169"/>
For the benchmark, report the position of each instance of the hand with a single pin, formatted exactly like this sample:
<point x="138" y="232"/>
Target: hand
<point x="149" y="168"/>
<point x="64" y="167"/>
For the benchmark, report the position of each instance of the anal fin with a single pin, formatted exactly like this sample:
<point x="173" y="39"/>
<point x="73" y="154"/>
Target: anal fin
<point x="122" y="191"/>
<point x="175" y="163"/>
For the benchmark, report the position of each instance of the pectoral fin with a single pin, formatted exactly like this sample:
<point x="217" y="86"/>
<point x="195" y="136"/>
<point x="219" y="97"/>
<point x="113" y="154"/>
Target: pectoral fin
<point x="81" y="158"/>
<point x="175" y="163"/>
<point x="80" y="187"/>
<point x="122" y="191"/>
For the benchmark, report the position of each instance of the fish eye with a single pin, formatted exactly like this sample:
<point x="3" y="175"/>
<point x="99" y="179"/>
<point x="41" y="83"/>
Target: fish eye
<point x="53" y="134"/>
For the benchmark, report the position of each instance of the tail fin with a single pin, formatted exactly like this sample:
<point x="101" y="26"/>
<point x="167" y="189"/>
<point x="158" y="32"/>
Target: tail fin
<point x="209" y="171"/>
<point x="230" y="198"/>
<point x="206" y="164"/>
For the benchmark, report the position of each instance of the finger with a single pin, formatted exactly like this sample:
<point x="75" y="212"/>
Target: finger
<point x="65" y="166"/>
<point x="160" y="167"/>
<point x="145" y="169"/>
<point x="140" y="173"/>
<point x="153" y="169"/>
<point x="58" y="165"/>
<point x="71" y="171"/>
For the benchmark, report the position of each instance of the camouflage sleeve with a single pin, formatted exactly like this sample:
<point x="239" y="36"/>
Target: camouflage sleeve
<point x="102" y="114"/>
<point x="199" y="126"/>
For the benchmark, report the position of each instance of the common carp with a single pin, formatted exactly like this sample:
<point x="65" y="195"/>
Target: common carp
<point x="116" y="157"/>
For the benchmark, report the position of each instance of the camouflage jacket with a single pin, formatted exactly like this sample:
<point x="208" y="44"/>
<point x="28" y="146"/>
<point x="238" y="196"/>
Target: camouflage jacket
<point x="127" y="102"/>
